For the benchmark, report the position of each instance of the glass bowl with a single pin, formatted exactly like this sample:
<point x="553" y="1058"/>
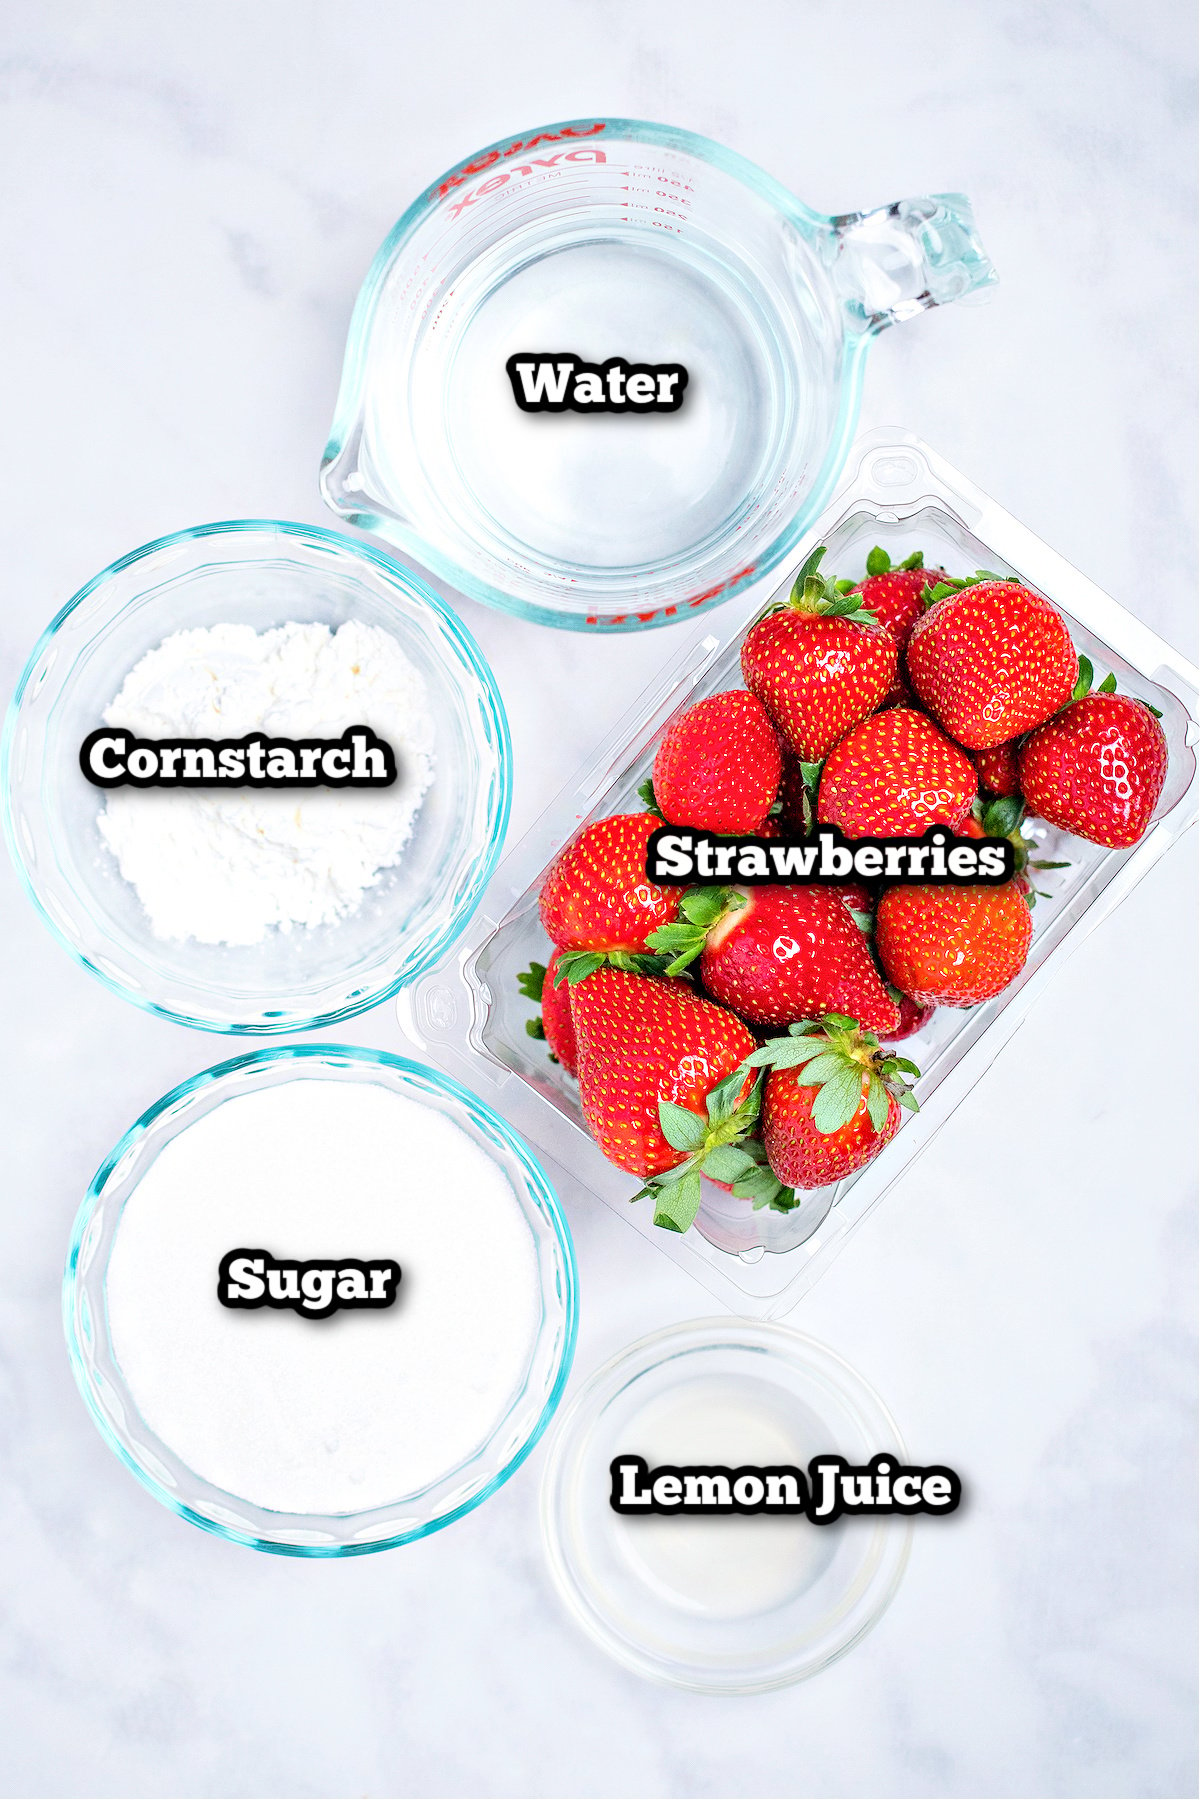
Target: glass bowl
<point x="615" y="238"/>
<point x="158" y="1468"/>
<point x="262" y="573"/>
<point x="720" y="1606"/>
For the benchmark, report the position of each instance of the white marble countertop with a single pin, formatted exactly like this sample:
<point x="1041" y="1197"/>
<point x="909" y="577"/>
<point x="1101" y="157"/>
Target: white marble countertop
<point x="193" y="194"/>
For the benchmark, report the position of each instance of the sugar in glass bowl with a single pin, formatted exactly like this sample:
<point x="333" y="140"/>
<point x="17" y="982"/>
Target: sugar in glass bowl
<point x="262" y="573"/>
<point x="159" y="1468"/>
<point x="620" y="239"/>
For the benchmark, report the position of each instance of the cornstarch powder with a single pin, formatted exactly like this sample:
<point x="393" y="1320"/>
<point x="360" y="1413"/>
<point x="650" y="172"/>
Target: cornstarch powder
<point x="362" y="1408"/>
<point x="226" y="868"/>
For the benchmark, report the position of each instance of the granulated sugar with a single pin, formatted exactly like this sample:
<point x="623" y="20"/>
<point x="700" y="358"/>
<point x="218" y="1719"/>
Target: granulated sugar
<point x="362" y="1408"/>
<point x="225" y="868"/>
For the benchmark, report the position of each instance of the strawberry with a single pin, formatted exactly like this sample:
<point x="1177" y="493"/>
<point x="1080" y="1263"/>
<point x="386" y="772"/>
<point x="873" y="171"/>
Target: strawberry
<point x="778" y="954"/>
<point x="832" y="1101"/>
<point x="990" y="659"/>
<point x="997" y="770"/>
<point x="893" y="595"/>
<point x="1097" y="768"/>
<point x="662" y="1082"/>
<point x="953" y="946"/>
<point x="718" y="765"/>
<point x="894" y="775"/>
<point x="818" y="663"/>
<point x="597" y="895"/>
<point x="552" y="1025"/>
<point x="913" y="1018"/>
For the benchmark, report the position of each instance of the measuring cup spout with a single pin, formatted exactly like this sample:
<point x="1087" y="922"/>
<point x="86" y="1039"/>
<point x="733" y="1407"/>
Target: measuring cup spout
<point x="892" y="263"/>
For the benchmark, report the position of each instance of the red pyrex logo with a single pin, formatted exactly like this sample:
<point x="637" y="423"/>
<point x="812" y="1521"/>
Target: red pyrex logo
<point x="477" y="166"/>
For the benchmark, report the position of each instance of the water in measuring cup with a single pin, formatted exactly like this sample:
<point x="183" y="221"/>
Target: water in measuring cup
<point x="612" y="491"/>
<point x="726" y="1567"/>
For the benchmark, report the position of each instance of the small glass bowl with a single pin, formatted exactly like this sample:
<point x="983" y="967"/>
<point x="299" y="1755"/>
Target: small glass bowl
<point x="102" y="1384"/>
<point x="791" y="1621"/>
<point x="262" y="573"/>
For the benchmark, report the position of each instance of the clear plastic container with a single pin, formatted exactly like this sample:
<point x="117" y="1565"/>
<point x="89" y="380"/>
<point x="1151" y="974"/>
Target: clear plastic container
<point x="617" y="238"/>
<point x="156" y="1465"/>
<point x="262" y="573"/>
<point x="471" y="1015"/>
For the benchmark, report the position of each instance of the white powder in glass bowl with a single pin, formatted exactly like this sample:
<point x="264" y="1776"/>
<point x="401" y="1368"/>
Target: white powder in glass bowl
<point x="362" y="1408"/>
<point x="226" y="868"/>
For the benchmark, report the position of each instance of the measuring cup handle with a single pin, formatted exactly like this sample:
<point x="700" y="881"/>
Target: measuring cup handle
<point x="892" y="263"/>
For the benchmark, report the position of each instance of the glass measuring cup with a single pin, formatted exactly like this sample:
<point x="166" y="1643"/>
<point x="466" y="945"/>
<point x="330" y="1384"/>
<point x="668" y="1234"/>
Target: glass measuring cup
<point x="608" y="238"/>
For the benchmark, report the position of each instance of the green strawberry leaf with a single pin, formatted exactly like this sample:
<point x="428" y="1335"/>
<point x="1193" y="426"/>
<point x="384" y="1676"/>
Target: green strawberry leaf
<point x="577" y="965"/>
<point x="634" y="962"/>
<point x="757" y="1184"/>
<point x="785" y="1053"/>
<point x="1002" y="817"/>
<point x="785" y="1201"/>
<point x="878" y="561"/>
<point x="1083" y="684"/>
<point x="705" y="905"/>
<point x="1108" y="685"/>
<point x="682" y="1128"/>
<point x="675" y="1209"/>
<point x="647" y="797"/>
<point x="864" y="920"/>
<point x="908" y="1100"/>
<point x="915" y="561"/>
<point x="877" y="1103"/>
<point x="844" y="605"/>
<point x="722" y="1100"/>
<point x="726" y="1163"/>
<point x="839" y="1021"/>
<point x="530" y="980"/>
<point x="1152" y="709"/>
<point x="808" y="569"/>
<point x="823" y="1068"/>
<point x="535" y="1028"/>
<point x="838" y="1101"/>
<point x="843" y="586"/>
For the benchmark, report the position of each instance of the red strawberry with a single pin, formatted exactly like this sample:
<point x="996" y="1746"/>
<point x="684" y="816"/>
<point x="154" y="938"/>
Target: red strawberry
<point x="718" y="765"/>
<point x="779" y="954"/>
<point x="556" y="1017"/>
<point x="553" y="1024"/>
<point x="953" y="946"/>
<point x="818" y="663"/>
<point x="991" y="660"/>
<point x="662" y="1081"/>
<point x="641" y="1040"/>
<point x="1097" y="769"/>
<point x="894" y="775"/>
<point x="894" y="594"/>
<point x="913" y="1018"/>
<point x="997" y="770"/>
<point x="832" y="1102"/>
<point x="597" y="895"/>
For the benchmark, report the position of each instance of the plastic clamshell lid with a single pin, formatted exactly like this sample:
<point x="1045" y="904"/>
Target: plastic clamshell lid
<point x="901" y="495"/>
